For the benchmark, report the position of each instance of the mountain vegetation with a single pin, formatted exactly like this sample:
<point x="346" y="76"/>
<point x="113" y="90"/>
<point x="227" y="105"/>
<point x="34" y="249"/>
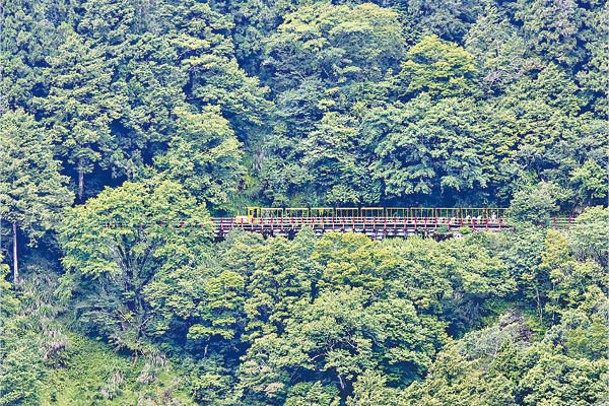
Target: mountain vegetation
<point x="150" y="112"/>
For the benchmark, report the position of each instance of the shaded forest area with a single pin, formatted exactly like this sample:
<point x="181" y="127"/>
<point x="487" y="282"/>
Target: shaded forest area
<point x="140" y="111"/>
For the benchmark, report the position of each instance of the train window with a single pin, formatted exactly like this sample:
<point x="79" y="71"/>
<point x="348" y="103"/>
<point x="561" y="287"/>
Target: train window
<point x="447" y="213"/>
<point x="443" y="214"/>
<point x="372" y="211"/>
<point x="347" y="212"/>
<point x="322" y="212"/>
<point x="423" y="212"/>
<point x="397" y="212"/>
<point x="271" y="212"/>
<point x="297" y="212"/>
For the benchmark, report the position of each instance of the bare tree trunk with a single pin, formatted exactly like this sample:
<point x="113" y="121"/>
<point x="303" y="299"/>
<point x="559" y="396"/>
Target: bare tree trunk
<point x="539" y="308"/>
<point x="340" y="381"/>
<point x="81" y="184"/>
<point x="15" y="258"/>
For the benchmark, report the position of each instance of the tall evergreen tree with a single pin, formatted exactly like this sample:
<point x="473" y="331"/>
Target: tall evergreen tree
<point x="33" y="191"/>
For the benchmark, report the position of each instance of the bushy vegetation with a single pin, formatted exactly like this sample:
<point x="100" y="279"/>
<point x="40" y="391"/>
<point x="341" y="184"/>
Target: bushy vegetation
<point x="149" y="112"/>
<point x="489" y="319"/>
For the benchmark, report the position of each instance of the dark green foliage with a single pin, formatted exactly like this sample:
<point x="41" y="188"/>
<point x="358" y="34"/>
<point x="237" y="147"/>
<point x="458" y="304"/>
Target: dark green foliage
<point x="353" y="103"/>
<point x="158" y="111"/>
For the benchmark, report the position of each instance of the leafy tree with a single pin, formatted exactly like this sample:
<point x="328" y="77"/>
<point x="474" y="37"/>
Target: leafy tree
<point x="371" y="389"/>
<point x="261" y="377"/>
<point x="79" y="106"/>
<point x="593" y="74"/>
<point x="204" y="155"/>
<point x="277" y="284"/>
<point x="535" y="204"/>
<point x="150" y="86"/>
<point x="570" y="279"/>
<point x="220" y="313"/>
<point x="316" y="393"/>
<point x="448" y="20"/>
<point x="557" y="379"/>
<point x="497" y="48"/>
<point x="118" y="245"/>
<point x="589" y="235"/>
<point x="353" y="43"/>
<point x="438" y="68"/>
<point x="29" y="36"/>
<point x="336" y="158"/>
<point x="33" y="192"/>
<point x="172" y="106"/>
<point x="348" y="260"/>
<point x="553" y="28"/>
<point x="417" y="272"/>
<point x="430" y="148"/>
<point x="239" y="251"/>
<point x="591" y="183"/>
<point x="206" y="55"/>
<point x="213" y="389"/>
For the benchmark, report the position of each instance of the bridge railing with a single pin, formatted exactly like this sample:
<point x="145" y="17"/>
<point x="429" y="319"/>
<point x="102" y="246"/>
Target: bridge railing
<point x="345" y="222"/>
<point x="374" y="222"/>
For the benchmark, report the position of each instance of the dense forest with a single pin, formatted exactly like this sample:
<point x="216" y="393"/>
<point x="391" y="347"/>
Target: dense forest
<point x="155" y="111"/>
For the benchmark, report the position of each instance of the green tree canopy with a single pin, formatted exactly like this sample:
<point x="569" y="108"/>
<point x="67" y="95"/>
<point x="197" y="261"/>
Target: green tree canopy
<point x="33" y="191"/>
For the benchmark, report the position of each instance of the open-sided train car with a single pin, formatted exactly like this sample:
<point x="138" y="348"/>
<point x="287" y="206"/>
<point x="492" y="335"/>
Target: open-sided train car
<point x="439" y="215"/>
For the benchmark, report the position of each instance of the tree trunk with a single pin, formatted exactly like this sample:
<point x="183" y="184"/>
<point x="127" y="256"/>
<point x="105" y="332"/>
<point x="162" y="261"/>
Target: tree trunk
<point x="81" y="184"/>
<point x="539" y="308"/>
<point x="15" y="258"/>
<point x="340" y="381"/>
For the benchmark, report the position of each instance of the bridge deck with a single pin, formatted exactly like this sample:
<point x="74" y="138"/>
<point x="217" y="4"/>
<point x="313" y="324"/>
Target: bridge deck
<point x="375" y="227"/>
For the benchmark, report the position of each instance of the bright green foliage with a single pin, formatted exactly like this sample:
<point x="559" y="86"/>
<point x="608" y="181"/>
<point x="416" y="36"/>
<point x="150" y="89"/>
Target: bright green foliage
<point x="21" y="367"/>
<point x="204" y="156"/>
<point x="356" y="43"/>
<point x="220" y="311"/>
<point x="581" y="382"/>
<point x="127" y="267"/>
<point x="370" y="389"/>
<point x="328" y="64"/>
<point x="348" y="260"/>
<point x="278" y="282"/>
<point x="535" y="204"/>
<point x="213" y="389"/>
<point x="312" y="394"/>
<point x="570" y="279"/>
<point x="339" y="336"/>
<point x="591" y="181"/>
<point x="333" y="154"/>
<point x="97" y="374"/>
<point x="440" y="103"/>
<point x="500" y="366"/>
<point x="206" y="55"/>
<point x="439" y="68"/>
<point x="239" y="251"/>
<point x="593" y="74"/>
<point x="590" y="234"/>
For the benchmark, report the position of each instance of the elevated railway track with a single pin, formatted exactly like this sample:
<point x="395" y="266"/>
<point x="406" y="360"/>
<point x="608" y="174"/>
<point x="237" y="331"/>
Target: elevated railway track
<point x="376" y="222"/>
